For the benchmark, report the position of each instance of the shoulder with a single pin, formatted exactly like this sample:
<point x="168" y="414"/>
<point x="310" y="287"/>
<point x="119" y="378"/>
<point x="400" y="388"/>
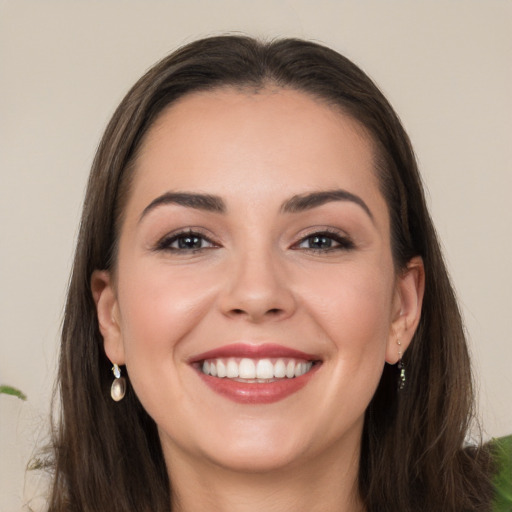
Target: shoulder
<point x="501" y="450"/>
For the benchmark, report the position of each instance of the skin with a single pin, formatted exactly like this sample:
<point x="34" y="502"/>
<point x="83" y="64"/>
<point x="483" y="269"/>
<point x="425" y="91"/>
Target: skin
<point x="257" y="280"/>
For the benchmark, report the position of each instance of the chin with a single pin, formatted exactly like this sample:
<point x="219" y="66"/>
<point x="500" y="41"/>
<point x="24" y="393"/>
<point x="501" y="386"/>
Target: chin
<point x="246" y="446"/>
<point x="256" y="459"/>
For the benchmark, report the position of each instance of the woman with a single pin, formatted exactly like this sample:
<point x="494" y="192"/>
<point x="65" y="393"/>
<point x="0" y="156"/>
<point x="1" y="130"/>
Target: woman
<point x="257" y="265"/>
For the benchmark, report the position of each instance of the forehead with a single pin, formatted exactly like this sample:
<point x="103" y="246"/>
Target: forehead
<point x="273" y="139"/>
<point x="271" y="114"/>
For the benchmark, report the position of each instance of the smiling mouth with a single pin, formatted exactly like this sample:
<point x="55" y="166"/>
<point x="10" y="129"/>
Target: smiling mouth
<point x="248" y="370"/>
<point x="255" y="374"/>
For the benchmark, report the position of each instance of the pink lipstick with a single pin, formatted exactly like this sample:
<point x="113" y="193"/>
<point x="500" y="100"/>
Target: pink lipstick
<point x="255" y="374"/>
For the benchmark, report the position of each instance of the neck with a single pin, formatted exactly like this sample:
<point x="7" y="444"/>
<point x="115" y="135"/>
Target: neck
<point x="325" y="484"/>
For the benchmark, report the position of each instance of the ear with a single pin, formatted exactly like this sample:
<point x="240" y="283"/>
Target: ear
<point x="408" y="299"/>
<point x="107" y="309"/>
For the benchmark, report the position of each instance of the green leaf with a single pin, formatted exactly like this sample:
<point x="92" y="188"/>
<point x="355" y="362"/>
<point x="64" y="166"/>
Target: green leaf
<point x="502" y="449"/>
<point x="8" y="390"/>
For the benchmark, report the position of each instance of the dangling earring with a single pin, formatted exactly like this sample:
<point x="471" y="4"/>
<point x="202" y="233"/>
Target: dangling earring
<point x="118" y="388"/>
<point x="401" y="367"/>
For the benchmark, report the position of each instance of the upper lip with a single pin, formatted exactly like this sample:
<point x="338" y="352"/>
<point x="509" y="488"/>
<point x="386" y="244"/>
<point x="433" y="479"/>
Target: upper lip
<point x="253" y="351"/>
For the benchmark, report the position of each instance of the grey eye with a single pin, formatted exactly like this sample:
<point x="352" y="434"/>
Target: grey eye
<point x="185" y="241"/>
<point x="189" y="242"/>
<point x="325" y="242"/>
<point x="317" y="242"/>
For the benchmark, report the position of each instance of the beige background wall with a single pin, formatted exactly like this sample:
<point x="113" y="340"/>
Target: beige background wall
<point x="445" y="66"/>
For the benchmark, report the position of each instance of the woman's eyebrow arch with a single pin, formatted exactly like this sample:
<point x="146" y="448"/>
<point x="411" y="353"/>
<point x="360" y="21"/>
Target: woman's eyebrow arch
<point x="302" y="202"/>
<point x="194" y="200"/>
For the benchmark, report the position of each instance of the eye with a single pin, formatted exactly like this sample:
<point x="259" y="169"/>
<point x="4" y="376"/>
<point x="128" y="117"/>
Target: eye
<point x="324" y="242"/>
<point x="189" y="241"/>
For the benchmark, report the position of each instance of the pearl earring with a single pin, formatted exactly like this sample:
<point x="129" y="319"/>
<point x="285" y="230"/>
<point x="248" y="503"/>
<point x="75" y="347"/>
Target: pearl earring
<point x="118" y="388"/>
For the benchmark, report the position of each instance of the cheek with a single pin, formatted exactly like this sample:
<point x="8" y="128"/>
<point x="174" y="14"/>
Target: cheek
<point x="351" y="308"/>
<point x="159" y="303"/>
<point x="354" y="312"/>
<point x="159" y="307"/>
<point x="158" y="312"/>
<point x="354" y="305"/>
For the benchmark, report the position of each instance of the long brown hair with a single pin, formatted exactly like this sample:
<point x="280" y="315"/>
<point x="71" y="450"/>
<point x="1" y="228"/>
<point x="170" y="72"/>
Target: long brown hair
<point x="107" y="455"/>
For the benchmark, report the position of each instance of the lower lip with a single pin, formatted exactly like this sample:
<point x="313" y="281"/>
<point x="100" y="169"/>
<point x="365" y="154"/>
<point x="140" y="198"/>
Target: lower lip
<point x="257" y="393"/>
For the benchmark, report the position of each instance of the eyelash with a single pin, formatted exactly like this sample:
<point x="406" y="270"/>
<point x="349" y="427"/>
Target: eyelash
<point x="343" y="243"/>
<point x="165" y="244"/>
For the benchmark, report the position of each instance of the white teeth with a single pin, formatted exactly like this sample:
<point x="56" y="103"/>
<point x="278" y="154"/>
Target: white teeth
<point x="221" y="369"/>
<point x="257" y="370"/>
<point x="279" y="369"/>
<point x="290" y="369"/>
<point x="299" y="369"/>
<point x="232" y="370"/>
<point x="246" y="370"/>
<point x="264" y="369"/>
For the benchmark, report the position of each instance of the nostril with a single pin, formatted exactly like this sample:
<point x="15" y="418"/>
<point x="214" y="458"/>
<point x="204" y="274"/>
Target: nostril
<point x="269" y="312"/>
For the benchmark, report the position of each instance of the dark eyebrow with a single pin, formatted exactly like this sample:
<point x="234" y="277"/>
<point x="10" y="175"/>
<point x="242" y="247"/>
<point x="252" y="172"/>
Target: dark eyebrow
<point x="304" y="202"/>
<point x="189" y="200"/>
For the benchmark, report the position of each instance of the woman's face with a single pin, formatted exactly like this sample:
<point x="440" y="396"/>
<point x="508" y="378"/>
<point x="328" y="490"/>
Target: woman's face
<point x="255" y="300"/>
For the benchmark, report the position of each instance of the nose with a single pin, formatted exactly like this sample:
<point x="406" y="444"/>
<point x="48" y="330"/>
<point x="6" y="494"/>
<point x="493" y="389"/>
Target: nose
<point x="258" y="289"/>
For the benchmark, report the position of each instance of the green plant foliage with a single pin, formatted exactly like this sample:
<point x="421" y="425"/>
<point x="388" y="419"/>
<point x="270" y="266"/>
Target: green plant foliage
<point x="502" y="449"/>
<point x="8" y="390"/>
